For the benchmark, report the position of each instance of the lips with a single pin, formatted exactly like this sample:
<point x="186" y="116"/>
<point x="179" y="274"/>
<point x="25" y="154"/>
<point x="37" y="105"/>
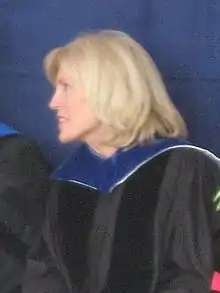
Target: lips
<point x="61" y="119"/>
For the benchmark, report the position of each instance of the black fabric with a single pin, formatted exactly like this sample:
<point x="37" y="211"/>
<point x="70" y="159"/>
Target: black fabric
<point x="24" y="187"/>
<point x="163" y="232"/>
<point x="101" y="240"/>
<point x="43" y="278"/>
<point x="187" y="262"/>
<point x="79" y="206"/>
<point x="11" y="243"/>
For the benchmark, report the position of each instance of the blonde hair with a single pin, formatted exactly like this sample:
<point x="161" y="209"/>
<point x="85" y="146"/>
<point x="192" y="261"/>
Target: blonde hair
<point x="122" y="84"/>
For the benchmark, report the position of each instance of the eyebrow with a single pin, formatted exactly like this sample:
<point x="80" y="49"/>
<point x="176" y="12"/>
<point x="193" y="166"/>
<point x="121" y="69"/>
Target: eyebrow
<point x="63" y="81"/>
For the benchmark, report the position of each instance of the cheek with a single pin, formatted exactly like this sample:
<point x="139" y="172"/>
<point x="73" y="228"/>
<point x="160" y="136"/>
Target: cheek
<point x="65" y="108"/>
<point x="82" y="118"/>
<point x="77" y="110"/>
<point x="81" y="124"/>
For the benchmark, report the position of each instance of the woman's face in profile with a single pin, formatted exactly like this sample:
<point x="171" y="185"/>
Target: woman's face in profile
<point x="75" y="119"/>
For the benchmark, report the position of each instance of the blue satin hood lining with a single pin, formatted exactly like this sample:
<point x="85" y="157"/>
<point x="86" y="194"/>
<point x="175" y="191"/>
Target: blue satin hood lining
<point x="6" y="130"/>
<point x="86" y="168"/>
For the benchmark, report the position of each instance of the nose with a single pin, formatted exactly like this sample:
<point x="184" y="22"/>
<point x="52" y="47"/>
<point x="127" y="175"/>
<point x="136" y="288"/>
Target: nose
<point x="55" y="101"/>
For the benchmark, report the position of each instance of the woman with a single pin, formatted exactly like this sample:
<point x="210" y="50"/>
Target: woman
<point x="132" y="206"/>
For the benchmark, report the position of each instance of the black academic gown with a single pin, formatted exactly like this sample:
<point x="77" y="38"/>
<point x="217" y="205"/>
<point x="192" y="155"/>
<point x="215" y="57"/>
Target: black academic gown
<point x="23" y="191"/>
<point x="138" y="222"/>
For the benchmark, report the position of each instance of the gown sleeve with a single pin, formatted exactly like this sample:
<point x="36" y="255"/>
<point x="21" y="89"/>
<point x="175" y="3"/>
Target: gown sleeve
<point x="187" y="265"/>
<point x="23" y="192"/>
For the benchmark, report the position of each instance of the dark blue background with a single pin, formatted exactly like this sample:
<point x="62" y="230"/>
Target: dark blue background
<point x="182" y="36"/>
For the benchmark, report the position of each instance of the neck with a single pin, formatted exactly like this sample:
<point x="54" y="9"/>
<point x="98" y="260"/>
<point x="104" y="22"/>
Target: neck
<point x="96" y="141"/>
<point x="102" y="150"/>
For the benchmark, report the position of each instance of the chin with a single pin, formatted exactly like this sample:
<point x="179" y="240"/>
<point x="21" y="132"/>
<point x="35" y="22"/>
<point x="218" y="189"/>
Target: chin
<point x="64" y="138"/>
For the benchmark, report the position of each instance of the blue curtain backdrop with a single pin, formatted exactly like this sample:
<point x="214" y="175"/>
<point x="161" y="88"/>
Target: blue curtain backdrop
<point x="181" y="35"/>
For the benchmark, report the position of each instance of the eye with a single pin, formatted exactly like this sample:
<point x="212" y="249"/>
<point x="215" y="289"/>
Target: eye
<point x="65" y="86"/>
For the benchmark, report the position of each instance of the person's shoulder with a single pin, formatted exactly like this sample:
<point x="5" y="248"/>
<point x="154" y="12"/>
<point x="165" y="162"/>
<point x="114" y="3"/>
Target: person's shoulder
<point x="192" y="164"/>
<point x="21" y="149"/>
<point x="184" y="156"/>
<point x="194" y="155"/>
<point x="192" y="172"/>
<point x="17" y="141"/>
